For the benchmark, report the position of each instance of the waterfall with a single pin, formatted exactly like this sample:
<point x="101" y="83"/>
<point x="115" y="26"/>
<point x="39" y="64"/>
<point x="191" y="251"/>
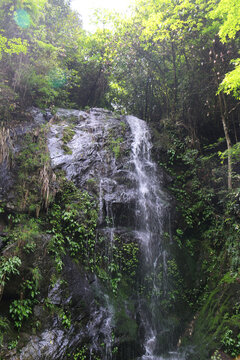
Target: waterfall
<point x="151" y="221"/>
<point x="128" y="311"/>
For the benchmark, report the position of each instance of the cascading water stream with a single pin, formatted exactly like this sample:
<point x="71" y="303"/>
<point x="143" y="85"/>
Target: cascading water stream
<point x="151" y="215"/>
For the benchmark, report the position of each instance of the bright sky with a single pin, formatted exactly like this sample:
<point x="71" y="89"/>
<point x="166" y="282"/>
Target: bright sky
<point x="87" y="7"/>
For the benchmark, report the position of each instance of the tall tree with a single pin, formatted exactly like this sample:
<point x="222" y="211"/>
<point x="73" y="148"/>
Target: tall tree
<point x="228" y="13"/>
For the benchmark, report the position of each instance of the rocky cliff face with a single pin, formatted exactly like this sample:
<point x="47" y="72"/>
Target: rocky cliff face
<point x="75" y="199"/>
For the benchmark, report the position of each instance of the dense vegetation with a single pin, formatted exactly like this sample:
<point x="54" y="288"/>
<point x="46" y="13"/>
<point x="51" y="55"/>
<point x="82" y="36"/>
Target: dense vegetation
<point x="173" y="63"/>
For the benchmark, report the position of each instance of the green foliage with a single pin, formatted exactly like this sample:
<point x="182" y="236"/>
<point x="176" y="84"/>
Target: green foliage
<point x="66" y="149"/>
<point x="34" y="152"/>
<point x="216" y="356"/>
<point x="194" y="201"/>
<point x="65" y="319"/>
<point x="42" y="75"/>
<point x="31" y="287"/>
<point x="231" y="344"/>
<point x="34" y="173"/>
<point x="13" y="344"/>
<point x="115" y="146"/>
<point x="231" y="82"/>
<point x="63" y="315"/>
<point x="82" y="353"/>
<point x="68" y="134"/>
<point x="234" y="152"/>
<point x="219" y="252"/>
<point x="118" y="264"/>
<point x="73" y="226"/>
<point x="114" y="140"/>
<point x="12" y="46"/>
<point x="8" y="266"/>
<point x="207" y="234"/>
<point x="229" y="14"/>
<point x="24" y="233"/>
<point x="20" y="310"/>
<point x="103" y="68"/>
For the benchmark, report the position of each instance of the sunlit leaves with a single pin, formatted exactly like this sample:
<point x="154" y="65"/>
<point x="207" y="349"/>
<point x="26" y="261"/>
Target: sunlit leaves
<point x="32" y="7"/>
<point x="229" y="12"/>
<point x="231" y="82"/>
<point x="173" y="20"/>
<point x="12" y="46"/>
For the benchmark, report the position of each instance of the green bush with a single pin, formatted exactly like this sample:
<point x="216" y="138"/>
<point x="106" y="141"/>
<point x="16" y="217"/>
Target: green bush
<point x="20" y="310"/>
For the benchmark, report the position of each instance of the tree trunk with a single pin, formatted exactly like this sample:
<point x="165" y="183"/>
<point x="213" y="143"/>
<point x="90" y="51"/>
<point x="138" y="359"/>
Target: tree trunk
<point x="223" y="110"/>
<point x="175" y="78"/>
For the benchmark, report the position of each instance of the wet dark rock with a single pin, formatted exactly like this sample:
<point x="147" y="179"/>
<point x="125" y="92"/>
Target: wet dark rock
<point x="48" y="115"/>
<point x="52" y="344"/>
<point x="92" y="164"/>
<point x="38" y="116"/>
<point x="55" y="294"/>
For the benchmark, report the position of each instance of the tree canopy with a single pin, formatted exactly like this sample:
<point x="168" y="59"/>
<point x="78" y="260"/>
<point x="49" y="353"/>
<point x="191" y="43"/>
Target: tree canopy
<point x="165" y="60"/>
